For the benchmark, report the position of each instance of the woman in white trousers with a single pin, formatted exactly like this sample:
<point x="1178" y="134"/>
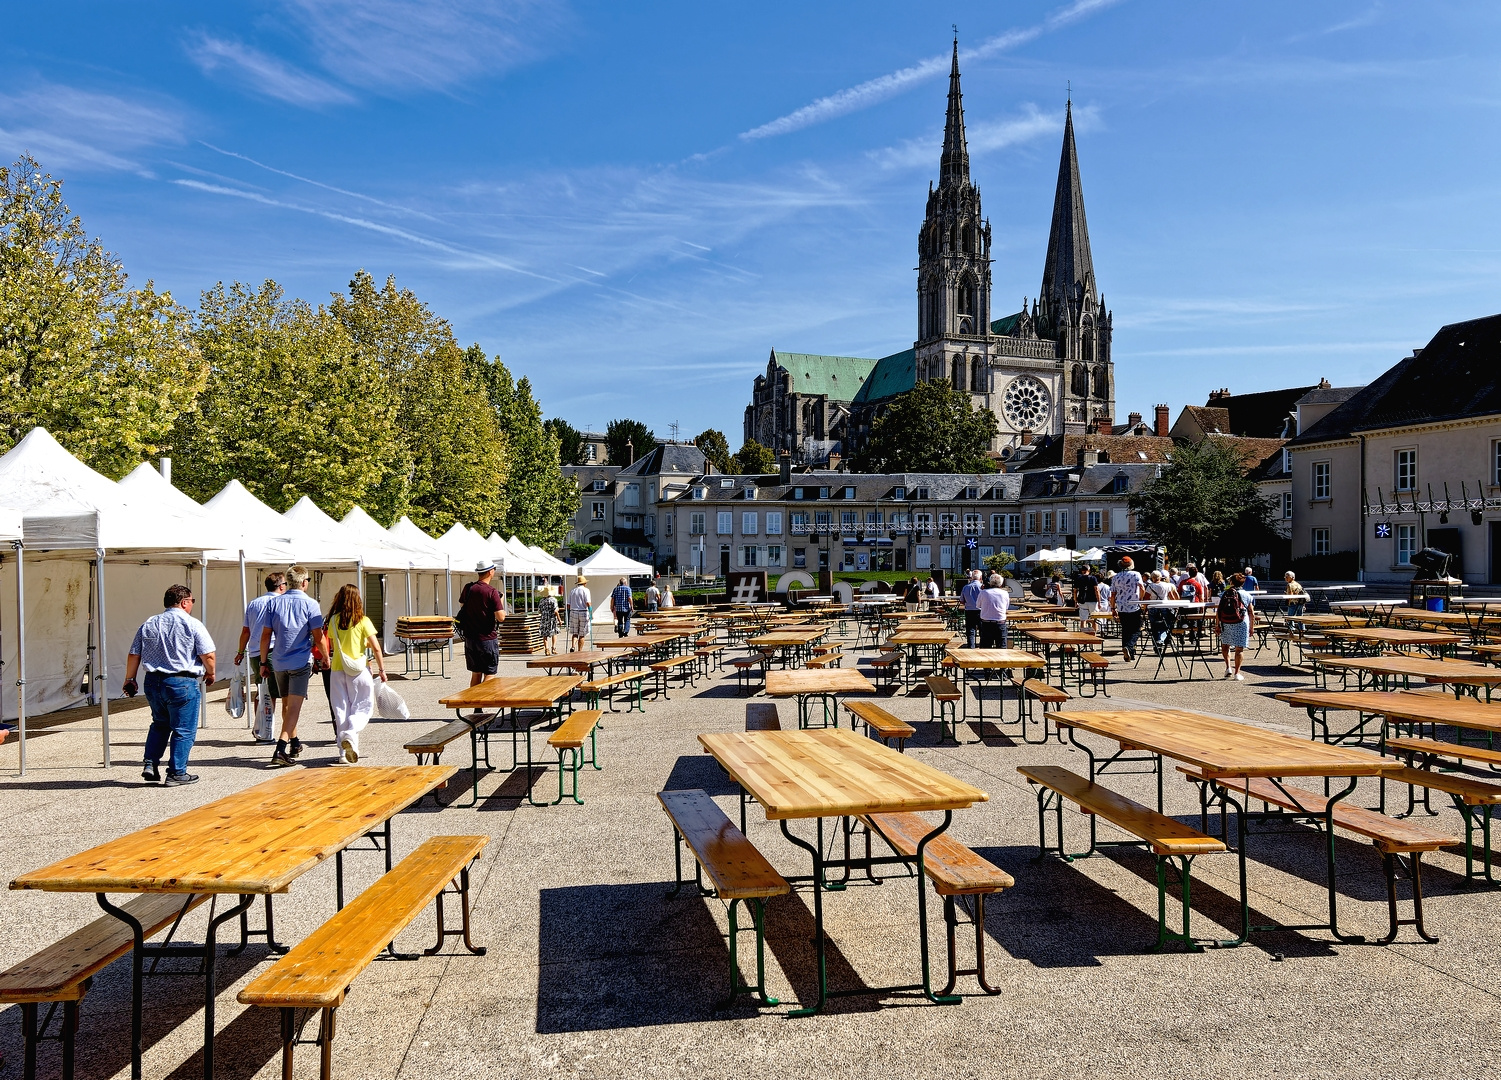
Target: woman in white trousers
<point x="351" y="690"/>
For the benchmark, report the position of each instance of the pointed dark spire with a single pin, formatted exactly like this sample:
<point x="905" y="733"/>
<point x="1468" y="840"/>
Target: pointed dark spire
<point x="1069" y="262"/>
<point x="954" y="166"/>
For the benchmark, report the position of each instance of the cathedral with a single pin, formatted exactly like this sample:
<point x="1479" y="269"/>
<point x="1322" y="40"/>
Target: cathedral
<point x="1044" y="370"/>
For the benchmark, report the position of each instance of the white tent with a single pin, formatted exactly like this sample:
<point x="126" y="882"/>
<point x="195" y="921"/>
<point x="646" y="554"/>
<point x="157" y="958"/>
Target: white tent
<point x="235" y="503"/>
<point x="605" y="566"/>
<point x="425" y="576"/>
<point x="76" y="521"/>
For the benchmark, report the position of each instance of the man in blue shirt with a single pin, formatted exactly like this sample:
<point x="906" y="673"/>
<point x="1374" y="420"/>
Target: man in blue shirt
<point x="296" y="623"/>
<point x="620" y="607"/>
<point x="970" y="594"/>
<point x="1251" y="584"/>
<point x="176" y="651"/>
<point x="250" y="634"/>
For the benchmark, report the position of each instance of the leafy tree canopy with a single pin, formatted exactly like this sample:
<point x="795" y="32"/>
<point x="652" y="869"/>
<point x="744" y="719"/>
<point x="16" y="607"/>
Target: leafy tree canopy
<point x="930" y="428"/>
<point x="641" y="438"/>
<point x="106" y="368"/>
<point x="754" y="458"/>
<point x="570" y="441"/>
<point x="1205" y="506"/>
<point x="716" y="449"/>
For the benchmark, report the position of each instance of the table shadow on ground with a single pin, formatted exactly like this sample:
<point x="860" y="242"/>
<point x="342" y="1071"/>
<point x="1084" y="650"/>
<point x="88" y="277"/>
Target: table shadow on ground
<point x="700" y="771"/>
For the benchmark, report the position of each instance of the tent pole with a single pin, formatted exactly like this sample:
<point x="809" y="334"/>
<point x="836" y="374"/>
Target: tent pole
<point x="448" y="586"/>
<point x="21" y="647"/>
<point x="203" y="607"/>
<point x="102" y="674"/>
<point x="359" y="575"/>
<point x="245" y="664"/>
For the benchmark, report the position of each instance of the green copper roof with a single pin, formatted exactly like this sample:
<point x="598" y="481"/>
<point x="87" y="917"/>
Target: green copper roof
<point x="836" y="377"/>
<point x="1007" y="325"/>
<point x="894" y="374"/>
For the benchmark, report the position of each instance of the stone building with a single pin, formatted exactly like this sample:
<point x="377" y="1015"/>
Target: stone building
<point x="1043" y="370"/>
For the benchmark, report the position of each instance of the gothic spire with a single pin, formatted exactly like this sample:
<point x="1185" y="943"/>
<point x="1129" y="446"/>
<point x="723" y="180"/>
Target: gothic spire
<point x="954" y="166"/>
<point x="1069" y="262"/>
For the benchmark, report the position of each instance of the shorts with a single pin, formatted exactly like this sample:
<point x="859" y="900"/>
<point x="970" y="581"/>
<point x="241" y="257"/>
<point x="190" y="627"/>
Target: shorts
<point x="482" y="655"/>
<point x="271" y="688"/>
<point x="578" y="622"/>
<point x="292" y="683"/>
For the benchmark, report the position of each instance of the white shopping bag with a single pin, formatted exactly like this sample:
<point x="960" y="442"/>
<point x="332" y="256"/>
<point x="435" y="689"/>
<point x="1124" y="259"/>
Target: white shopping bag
<point x="389" y="705"/>
<point x="234" y="701"/>
<point x="263" y="727"/>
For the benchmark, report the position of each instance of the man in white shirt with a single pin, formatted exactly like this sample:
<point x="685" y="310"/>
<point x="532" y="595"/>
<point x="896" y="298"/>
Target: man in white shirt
<point x="580" y="611"/>
<point x="995" y="602"/>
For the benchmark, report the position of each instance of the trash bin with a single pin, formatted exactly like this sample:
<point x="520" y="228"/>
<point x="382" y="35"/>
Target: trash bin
<point x="1435" y="603"/>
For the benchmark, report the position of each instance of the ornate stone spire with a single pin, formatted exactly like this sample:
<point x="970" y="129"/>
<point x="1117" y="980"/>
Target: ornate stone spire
<point x="954" y="166"/>
<point x="1069" y="263"/>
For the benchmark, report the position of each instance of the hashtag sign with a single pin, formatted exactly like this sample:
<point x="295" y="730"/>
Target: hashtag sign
<point x="746" y="592"/>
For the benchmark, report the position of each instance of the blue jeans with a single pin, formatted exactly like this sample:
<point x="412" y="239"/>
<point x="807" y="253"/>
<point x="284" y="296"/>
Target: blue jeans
<point x="623" y="624"/>
<point x="174" y="718"/>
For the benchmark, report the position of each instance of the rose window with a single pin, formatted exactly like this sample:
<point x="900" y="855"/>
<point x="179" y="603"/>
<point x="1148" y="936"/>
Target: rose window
<point x="1026" y="404"/>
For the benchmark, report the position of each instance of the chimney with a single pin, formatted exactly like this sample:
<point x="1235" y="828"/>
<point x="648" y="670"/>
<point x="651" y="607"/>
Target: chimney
<point x="784" y="466"/>
<point x="835" y="462"/>
<point x="1134" y="419"/>
<point x="630" y="453"/>
<point x="164" y="466"/>
<point x="1324" y="384"/>
<point x="1163" y="424"/>
<point x="1104" y="425"/>
<point x="1027" y="437"/>
<point x="1088" y="457"/>
<point x="1218" y="395"/>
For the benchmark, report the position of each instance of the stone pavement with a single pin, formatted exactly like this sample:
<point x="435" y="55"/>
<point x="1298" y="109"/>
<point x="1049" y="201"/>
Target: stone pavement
<point x="592" y="972"/>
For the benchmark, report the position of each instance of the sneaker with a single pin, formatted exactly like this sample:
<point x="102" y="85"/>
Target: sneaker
<point x="180" y="778"/>
<point x="280" y="759"/>
<point x="351" y="755"/>
<point x="150" y="773"/>
<point x="1239" y="677"/>
<point x="295" y="749"/>
<point x="1229" y="674"/>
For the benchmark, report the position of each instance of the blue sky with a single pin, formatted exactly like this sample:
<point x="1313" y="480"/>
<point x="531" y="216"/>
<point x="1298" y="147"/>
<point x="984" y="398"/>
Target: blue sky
<point x="633" y="203"/>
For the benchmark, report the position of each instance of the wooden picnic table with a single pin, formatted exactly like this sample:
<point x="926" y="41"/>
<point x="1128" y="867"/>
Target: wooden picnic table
<point x="253" y="843"/>
<point x="584" y="661"/>
<point x="1393" y="706"/>
<point x="510" y="697"/>
<point x="1224" y="751"/>
<point x="1393" y="665"/>
<point x="792" y="639"/>
<point x="914" y="640"/>
<point x="836" y="774"/>
<point x="1063" y="639"/>
<point x="821" y="683"/>
<point x="967" y="660"/>
<point x="1318" y="621"/>
<point x="1387" y="635"/>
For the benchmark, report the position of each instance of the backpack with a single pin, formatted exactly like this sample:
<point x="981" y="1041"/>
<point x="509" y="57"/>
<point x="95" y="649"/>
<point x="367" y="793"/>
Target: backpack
<point x="1189" y="590"/>
<point x="1232" y="607"/>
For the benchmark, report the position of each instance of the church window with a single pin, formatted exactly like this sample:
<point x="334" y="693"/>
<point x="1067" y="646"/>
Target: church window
<point x="965" y="306"/>
<point x="958" y="370"/>
<point x="1026" y="404"/>
<point x="1087" y="347"/>
<point x="1079" y="381"/>
<point x="922" y="369"/>
<point x="977" y="376"/>
<point x="1101" y="383"/>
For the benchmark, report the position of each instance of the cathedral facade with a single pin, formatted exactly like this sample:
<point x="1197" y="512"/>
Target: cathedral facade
<point x="1044" y="370"/>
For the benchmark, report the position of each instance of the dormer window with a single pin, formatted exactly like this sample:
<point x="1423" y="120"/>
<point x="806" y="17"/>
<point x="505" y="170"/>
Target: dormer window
<point x="1287" y="460"/>
<point x="971" y="493"/>
<point x="849" y="493"/>
<point x="750" y="493"/>
<point x="823" y="493"/>
<point x="797" y="494"/>
<point x="727" y="483"/>
<point x="1120" y="483"/>
<point x="901" y="492"/>
<point x="920" y="493"/>
<point x="600" y="485"/>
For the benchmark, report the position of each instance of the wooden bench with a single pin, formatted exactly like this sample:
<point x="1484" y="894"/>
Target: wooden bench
<point x="762" y="716"/>
<point x="1474" y="798"/>
<point x="1168" y="839"/>
<point x="888" y="667"/>
<point x="819" y="650"/>
<point x="685" y="667"/>
<point x="744" y="665"/>
<point x="1038" y="690"/>
<point x="429" y="746"/>
<point x="1098" y="665"/>
<point x="943" y="705"/>
<point x="955" y="871"/>
<point x="568" y="740"/>
<point x="879" y="723"/>
<point x="316" y="974"/>
<point x="737" y="870"/>
<point x="832" y="658"/>
<point x="1393" y="838"/>
<point x="710" y="656"/>
<point x="596" y="688"/>
<point x="63" y="972"/>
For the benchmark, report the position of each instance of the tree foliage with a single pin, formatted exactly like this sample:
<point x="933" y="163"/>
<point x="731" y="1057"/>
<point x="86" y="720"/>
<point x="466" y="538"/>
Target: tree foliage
<point x="641" y="438"/>
<point x="1205" y="505"/>
<point x="753" y="458"/>
<point x="571" y="450"/>
<point x="289" y="408"/>
<point x="106" y="368"/>
<point x="716" y="450"/>
<point x="930" y="428"/>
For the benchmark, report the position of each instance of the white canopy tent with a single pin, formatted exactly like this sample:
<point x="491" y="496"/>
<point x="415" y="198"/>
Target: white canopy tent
<point x="75" y="520"/>
<point x="606" y="565"/>
<point x="426" y="572"/>
<point x="409" y="535"/>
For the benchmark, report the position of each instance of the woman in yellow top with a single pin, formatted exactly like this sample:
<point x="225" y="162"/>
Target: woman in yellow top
<point x="351" y="691"/>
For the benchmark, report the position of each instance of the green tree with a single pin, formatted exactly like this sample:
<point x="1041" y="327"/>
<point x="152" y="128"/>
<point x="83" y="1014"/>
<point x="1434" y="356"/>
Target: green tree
<point x="540" y="500"/>
<point x="1000" y="563"/>
<point x="753" y="458"/>
<point x="930" y="428"/>
<point x="570" y="441"/>
<point x="641" y="438"/>
<point x="450" y="460"/>
<point x="289" y="409"/>
<point x="716" y="450"/>
<point x="106" y="368"/>
<point x="1205" y="505"/>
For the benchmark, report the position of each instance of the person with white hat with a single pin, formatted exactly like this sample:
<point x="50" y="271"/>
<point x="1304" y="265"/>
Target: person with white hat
<point x="580" y="608"/>
<point x="481" y="610"/>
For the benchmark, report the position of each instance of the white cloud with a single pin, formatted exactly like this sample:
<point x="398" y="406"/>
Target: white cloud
<point x="879" y="89"/>
<point x="67" y="128"/>
<point x="433" y="44"/>
<point x="263" y="73"/>
<point x="986" y="136"/>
